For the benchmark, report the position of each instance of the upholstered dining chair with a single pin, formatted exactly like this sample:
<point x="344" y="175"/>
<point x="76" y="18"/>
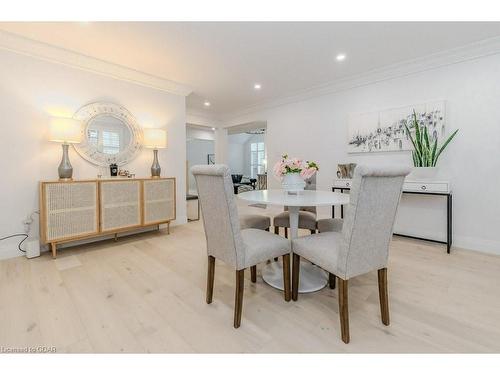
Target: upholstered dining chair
<point x="226" y="241"/>
<point x="330" y="225"/>
<point x="307" y="215"/>
<point x="255" y="221"/>
<point x="362" y="245"/>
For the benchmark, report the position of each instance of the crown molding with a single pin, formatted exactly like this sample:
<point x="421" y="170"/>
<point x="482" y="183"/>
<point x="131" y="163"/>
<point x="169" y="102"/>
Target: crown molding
<point x="202" y="118"/>
<point x="43" y="51"/>
<point x="468" y="52"/>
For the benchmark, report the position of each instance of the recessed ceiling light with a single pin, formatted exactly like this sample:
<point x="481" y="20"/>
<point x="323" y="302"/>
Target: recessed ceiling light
<point x="257" y="86"/>
<point x="213" y="128"/>
<point x="340" y="57"/>
<point x="206" y="104"/>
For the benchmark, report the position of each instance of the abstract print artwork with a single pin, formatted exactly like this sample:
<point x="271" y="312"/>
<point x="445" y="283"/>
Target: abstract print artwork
<point x="385" y="131"/>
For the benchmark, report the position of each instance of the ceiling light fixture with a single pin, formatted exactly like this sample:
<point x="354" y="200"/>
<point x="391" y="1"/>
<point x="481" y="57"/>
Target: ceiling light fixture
<point x="257" y="86"/>
<point x="213" y="128"/>
<point x="340" y="57"/>
<point x="206" y="104"/>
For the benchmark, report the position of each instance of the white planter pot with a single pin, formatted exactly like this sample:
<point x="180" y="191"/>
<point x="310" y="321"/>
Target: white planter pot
<point x="292" y="182"/>
<point x="423" y="173"/>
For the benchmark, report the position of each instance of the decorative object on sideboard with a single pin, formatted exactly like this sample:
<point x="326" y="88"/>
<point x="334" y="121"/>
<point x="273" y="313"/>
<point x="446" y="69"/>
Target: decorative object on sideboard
<point x="113" y="170"/>
<point x="125" y="173"/>
<point x="345" y="170"/>
<point x="155" y="139"/>
<point x="293" y="172"/>
<point x="385" y="130"/>
<point x="426" y="150"/>
<point x="65" y="131"/>
<point x="110" y="134"/>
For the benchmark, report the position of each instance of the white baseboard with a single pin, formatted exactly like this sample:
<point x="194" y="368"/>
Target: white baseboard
<point x="477" y="244"/>
<point x="9" y="249"/>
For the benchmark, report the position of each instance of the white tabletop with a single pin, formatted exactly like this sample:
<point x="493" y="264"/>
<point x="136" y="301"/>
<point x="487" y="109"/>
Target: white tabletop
<point x="304" y="198"/>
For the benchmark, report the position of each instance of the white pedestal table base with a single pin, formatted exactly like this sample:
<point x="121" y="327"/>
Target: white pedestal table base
<point x="311" y="277"/>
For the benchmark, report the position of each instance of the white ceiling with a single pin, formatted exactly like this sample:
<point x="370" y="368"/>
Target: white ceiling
<point x="222" y="61"/>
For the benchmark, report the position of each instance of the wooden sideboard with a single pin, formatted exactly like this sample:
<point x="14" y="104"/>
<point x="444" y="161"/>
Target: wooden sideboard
<point x="82" y="209"/>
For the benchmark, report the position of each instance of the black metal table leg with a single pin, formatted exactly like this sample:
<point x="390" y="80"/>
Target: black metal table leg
<point x="333" y="207"/>
<point x="449" y="223"/>
<point x="342" y="207"/>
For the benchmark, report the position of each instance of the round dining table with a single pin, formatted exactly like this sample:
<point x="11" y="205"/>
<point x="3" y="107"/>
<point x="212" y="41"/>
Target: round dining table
<point x="312" y="278"/>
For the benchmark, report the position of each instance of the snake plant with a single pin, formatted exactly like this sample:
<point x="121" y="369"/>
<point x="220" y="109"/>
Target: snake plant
<point x="425" y="153"/>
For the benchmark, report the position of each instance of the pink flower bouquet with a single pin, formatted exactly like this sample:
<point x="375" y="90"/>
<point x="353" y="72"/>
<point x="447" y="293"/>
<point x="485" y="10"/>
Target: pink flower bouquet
<point x="294" y="165"/>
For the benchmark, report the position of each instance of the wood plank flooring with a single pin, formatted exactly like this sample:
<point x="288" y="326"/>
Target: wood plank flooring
<point x="146" y="293"/>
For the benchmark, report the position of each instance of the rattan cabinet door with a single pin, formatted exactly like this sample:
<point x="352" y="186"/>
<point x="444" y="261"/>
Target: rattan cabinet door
<point x="69" y="210"/>
<point x="120" y="204"/>
<point x="159" y="200"/>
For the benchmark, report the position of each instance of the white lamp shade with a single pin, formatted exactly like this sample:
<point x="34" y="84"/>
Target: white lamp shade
<point x="65" y="130"/>
<point x="155" y="138"/>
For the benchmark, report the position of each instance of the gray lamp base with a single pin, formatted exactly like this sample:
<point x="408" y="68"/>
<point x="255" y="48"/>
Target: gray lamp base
<point x="65" y="169"/>
<point x="155" y="168"/>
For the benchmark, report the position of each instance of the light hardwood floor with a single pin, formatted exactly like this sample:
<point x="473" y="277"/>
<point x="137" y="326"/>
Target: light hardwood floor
<point x="146" y="293"/>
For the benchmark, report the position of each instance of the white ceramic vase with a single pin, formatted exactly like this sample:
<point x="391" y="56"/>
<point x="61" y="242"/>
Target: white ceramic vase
<point x="292" y="182"/>
<point x="423" y="174"/>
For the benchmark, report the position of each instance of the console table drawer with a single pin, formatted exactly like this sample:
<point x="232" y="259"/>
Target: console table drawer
<point x="430" y="187"/>
<point x="343" y="183"/>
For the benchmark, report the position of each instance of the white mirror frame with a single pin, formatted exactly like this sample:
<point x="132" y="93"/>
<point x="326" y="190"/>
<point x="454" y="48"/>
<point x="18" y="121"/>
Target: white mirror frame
<point x="89" y="152"/>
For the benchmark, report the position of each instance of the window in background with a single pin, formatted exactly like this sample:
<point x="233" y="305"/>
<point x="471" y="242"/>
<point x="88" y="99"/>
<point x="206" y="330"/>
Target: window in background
<point x="110" y="142"/>
<point x="257" y="156"/>
<point x="92" y="137"/>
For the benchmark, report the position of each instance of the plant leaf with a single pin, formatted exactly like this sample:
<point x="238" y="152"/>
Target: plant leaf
<point x="433" y="153"/>
<point x="444" y="146"/>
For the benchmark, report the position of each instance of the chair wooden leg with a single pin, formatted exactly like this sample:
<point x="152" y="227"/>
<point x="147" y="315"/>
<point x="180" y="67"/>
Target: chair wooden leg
<point x="276" y="231"/>
<point x="286" y="232"/>
<point x="331" y="280"/>
<point x="313" y="231"/>
<point x="344" y="310"/>
<point x="286" y="277"/>
<point x="238" y="297"/>
<point x="383" y="295"/>
<point x="267" y="229"/>
<point x="253" y="273"/>
<point x="295" y="276"/>
<point x="210" y="278"/>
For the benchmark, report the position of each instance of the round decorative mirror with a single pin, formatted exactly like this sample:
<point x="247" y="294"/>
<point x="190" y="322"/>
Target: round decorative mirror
<point x="110" y="134"/>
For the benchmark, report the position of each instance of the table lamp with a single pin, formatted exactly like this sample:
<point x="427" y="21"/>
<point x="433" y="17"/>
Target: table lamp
<point x="65" y="131"/>
<point x="155" y="139"/>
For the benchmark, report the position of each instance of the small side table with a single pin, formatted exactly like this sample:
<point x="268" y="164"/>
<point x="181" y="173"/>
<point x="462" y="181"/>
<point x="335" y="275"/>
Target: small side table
<point x="435" y="188"/>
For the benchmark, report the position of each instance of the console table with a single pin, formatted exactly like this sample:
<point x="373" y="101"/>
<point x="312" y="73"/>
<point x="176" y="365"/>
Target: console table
<point x="81" y="209"/>
<point x="435" y="188"/>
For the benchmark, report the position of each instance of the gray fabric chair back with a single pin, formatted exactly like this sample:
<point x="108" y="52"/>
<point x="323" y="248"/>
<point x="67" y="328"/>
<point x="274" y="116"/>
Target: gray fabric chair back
<point x="220" y="213"/>
<point x="369" y="220"/>
<point x="310" y="185"/>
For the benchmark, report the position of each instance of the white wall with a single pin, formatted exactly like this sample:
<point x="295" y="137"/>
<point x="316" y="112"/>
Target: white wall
<point x="317" y="129"/>
<point x="200" y="143"/>
<point x="32" y="90"/>
<point x="236" y="152"/>
<point x="197" y="151"/>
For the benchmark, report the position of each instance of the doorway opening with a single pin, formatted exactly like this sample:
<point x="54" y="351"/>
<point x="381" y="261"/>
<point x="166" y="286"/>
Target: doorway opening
<point x="247" y="156"/>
